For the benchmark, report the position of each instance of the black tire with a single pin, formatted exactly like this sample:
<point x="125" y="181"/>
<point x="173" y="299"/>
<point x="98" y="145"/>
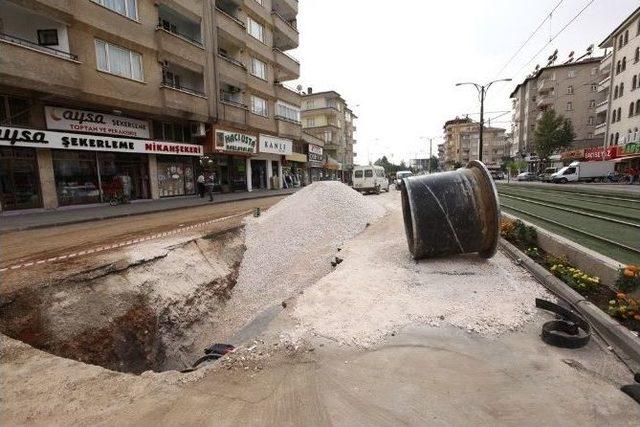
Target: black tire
<point x="113" y="201"/>
<point x="377" y="191"/>
<point x="564" y="181"/>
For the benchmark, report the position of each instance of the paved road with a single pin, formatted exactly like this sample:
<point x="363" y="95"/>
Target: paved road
<point x="595" y="188"/>
<point x="607" y="221"/>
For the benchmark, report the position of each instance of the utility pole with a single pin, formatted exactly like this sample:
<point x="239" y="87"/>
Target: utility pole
<point x="430" y="153"/>
<point x="482" y="92"/>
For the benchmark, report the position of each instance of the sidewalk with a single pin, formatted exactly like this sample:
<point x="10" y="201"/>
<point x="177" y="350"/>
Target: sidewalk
<point x="15" y="221"/>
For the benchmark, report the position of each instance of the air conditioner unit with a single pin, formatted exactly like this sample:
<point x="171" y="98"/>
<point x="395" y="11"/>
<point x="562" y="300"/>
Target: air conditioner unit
<point x="199" y="129"/>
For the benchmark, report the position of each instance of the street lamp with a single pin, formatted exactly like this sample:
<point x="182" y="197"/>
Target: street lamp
<point x="482" y="91"/>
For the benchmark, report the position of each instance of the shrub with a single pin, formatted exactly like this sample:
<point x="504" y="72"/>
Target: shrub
<point x="574" y="277"/>
<point x="624" y="307"/>
<point x="628" y="278"/>
<point x="518" y="233"/>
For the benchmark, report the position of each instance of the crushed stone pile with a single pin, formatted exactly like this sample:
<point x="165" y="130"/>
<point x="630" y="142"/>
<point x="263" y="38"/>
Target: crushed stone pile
<point x="290" y="247"/>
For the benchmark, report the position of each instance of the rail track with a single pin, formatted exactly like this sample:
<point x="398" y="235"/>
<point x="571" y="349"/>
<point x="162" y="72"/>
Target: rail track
<point x="606" y="223"/>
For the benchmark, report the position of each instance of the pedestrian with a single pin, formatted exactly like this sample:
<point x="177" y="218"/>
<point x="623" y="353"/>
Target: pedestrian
<point x="201" y="186"/>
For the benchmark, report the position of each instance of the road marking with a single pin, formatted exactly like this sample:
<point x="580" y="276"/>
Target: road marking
<point x="180" y="228"/>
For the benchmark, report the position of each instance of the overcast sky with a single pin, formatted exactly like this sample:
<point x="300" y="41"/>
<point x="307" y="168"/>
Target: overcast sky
<point x="396" y="62"/>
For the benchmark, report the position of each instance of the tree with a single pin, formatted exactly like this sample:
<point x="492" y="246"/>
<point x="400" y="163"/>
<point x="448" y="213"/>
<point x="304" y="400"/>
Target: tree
<point x="433" y="164"/>
<point x="553" y="132"/>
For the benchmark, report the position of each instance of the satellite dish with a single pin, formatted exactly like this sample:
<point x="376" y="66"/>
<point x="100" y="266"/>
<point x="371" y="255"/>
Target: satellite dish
<point x="571" y="54"/>
<point x="299" y="87"/>
<point x="590" y="49"/>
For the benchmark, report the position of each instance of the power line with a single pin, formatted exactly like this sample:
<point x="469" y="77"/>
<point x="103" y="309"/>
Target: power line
<point x="547" y="17"/>
<point x="556" y="35"/>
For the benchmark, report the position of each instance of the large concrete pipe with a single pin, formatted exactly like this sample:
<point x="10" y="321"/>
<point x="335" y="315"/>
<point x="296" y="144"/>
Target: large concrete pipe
<point x="451" y="213"/>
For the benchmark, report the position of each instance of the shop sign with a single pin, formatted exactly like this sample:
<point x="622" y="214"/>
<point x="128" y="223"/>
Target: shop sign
<point x="18" y="137"/>
<point x="92" y="122"/>
<point x="573" y="154"/>
<point x="629" y="149"/>
<point x="595" y="153"/>
<point x="236" y="142"/>
<point x="297" y="157"/>
<point x="273" y="145"/>
<point x="315" y="149"/>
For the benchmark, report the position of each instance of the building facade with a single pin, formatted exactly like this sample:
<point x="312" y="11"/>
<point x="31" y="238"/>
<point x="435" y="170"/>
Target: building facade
<point x="462" y="141"/>
<point x="570" y="89"/>
<point x="619" y="111"/>
<point x="327" y="116"/>
<point x="127" y="96"/>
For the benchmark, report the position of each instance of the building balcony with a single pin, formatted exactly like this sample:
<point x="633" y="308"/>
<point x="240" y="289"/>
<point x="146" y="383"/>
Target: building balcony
<point x="287" y="95"/>
<point x="185" y="100"/>
<point x="544" y="100"/>
<point x="600" y="128"/>
<point x="232" y="112"/>
<point x="258" y="9"/>
<point x="285" y="34"/>
<point x="232" y="71"/>
<point x="231" y="26"/>
<point x="286" y="8"/>
<point x="266" y="124"/>
<point x="601" y="107"/>
<point x="605" y="63"/>
<point x="604" y="84"/>
<point x="180" y="47"/>
<point x="57" y="71"/>
<point x="288" y="128"/>
<point x="287" y="68"/>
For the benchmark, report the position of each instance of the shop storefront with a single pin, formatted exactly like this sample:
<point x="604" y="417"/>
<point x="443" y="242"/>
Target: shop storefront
<point x="89" y="168"/>
<point x="572" y="155"/>
<point x="315" y="160"/>
<point x="176" y="176"/>
<point x="227" y="162"/>
<point x="19" y="183"/>
<point x="333" y="169"/>
<point x="628" y="157"/>
<point x="597" y="153"/>
<point x="295" y="170"/>
<point x="266" y="166"/>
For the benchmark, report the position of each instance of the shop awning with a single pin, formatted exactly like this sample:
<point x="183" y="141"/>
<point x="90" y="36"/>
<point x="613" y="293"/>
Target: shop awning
<point x="296" y="157"/>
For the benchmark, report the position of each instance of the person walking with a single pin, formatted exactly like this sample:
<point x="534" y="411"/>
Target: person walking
<point x="201" y="187"/>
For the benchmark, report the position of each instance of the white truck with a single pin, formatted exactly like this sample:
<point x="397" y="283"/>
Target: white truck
<point x="584" y="171"/>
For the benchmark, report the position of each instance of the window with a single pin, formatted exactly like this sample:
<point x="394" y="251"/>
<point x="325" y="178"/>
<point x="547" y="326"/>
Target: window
<point x="311" y="122"/>
<point x="590" y="121"/>
<point x="615" y="92"/>
<point x="611" y="140"/>
<point x="570" y="171"/>
<point x="310" y="104"/>
<point x="617" y="138"/>
<point x="255" y="30"/>
<point x="289" y="112"/>
<point x="634" y="82"/>
<point x="626" y="37"/>
<point x="618" y="67"/>
<point x="48" y="37"/>
<point x="128" y="8"/>
<point x="624" y="63"/>
<point x="358" y="174"/>
<point x="14" y="111"/>
<point x="594" y="87"/>
<point x="592" y="103"/>
<point x="613" y="116"/>
<point x="259" y="106"/>
<point x="368" y="173"/>
<point x="631" y="109"/>
<point x="620" y="40"/>
<point x="619" y="113"/>
<point x="570" y="90"/>
<point x="621" y="90"/>
<point x="178" y="132"/>
<point x="569" y="106"/>
<point x="258" y="68"/>
<point x="571" y="74"/>
<point x="638" y="106"/>
<point x="328" y="136"/>
<point x="119" y="61"/>
<point x="637" y="55"/>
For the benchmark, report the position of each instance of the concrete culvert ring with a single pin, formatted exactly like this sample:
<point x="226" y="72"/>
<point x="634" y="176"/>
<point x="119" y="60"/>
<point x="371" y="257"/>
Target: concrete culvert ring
<point x="141" y="315"/>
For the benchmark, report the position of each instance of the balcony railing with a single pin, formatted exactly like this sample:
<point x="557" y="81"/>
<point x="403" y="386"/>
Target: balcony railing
<point x="287" y="119"/>
<point x="230" y="16"/>
<point x="601" y="125"/>
<point x="179" y="34"/>
<point x="231" y="60"/>
<point x="36" y="46"/>
<point x="183" y="88"/>
<point x="228" y="98"/>
<point x="287" y="55"/>
<point x="289" y="23"/>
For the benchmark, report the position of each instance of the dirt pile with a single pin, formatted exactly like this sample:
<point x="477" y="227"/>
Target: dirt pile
<point x="141" y="313"/>
<point x="291" y="246"/>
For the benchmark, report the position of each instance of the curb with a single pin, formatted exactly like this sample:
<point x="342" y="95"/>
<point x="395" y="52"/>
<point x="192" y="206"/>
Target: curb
<point x="128" y="214"/>
<point x="609" y="329"/>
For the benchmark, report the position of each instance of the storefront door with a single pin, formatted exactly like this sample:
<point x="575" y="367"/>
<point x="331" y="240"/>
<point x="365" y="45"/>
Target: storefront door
<point x="175" y="176"/>
<point x="20" y="188"/>
<point x="259" y="174"/>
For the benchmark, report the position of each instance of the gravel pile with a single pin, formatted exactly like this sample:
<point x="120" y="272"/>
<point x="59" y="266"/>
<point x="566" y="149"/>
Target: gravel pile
<point x="291" y="246"/>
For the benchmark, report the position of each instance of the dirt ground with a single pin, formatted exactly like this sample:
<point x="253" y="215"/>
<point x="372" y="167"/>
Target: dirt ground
<point x="305" y="363"/>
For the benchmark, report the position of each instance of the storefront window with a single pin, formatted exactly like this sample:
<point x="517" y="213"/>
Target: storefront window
<point x="229" y="172"/>
<point x="14" y="111"/>
<point x="76" y="177"/>
<point x="175" y="176"/>
<point x="124" y="172"/>
<point x="19" y="184"/>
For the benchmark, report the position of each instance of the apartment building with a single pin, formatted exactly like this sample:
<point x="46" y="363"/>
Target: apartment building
<point x="462" y="141"/>
<point x="619" y="111"/>
<point x="126" y="95"/>
<point x="571" y="89"/>
<point x="327" y="116"/>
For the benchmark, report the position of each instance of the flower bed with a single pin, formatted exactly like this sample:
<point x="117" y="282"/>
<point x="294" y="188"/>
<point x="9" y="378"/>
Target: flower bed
<point x="616" y="301"/>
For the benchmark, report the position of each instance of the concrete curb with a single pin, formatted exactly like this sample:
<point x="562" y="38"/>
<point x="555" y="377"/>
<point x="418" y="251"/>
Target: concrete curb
<point x="128" y="214"/>
<point x="582" y="257"/>
<point x="609" y="329"/>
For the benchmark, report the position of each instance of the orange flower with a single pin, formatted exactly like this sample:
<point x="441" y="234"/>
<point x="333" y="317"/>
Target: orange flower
<point x="629" y="274"/>
<point x="632" y="267"/>
<point x="620" y="295"/>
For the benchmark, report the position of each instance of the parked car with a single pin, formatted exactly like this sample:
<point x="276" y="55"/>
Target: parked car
<point x="526" y="176"/>
<point x="545" y="176"/>
<point x="370" y="179"/>
<point x="400" y="175"/>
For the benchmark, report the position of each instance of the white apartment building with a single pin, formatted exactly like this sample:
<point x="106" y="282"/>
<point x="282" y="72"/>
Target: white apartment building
<point x="621" y="118"/>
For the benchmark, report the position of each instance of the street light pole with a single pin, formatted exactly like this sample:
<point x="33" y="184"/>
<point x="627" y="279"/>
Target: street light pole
<point x="482" y="92"/>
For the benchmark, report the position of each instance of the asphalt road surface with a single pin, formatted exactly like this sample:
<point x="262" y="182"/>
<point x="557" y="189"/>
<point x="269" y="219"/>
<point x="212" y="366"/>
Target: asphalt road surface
<point x="607" y="222"/>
